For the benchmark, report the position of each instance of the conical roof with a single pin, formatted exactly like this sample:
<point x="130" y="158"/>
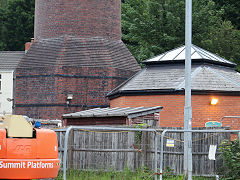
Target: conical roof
<point x="197" y="54"/>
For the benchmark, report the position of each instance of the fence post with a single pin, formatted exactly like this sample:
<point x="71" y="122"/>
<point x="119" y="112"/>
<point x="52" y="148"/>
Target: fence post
<point x="155" y="154"/>
<point x="65" y="151"/>
<point x="239" y="137"/>
<point x="161" y="153"/>
<point x="144" y="141"/>
<point x="71" y="137"/>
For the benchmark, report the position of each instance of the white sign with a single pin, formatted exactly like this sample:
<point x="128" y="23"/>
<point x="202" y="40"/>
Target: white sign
<point x="212" y="152"/>
<point x="27" y="164"/>
<point x="170" y="143"/>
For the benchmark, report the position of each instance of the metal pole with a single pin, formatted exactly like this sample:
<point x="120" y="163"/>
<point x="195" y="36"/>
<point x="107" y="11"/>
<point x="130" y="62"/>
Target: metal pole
<point x="161" y="153"/>
<point x="188" y="108"/>
<point x="239" y="137"/>
<point x="155" y="155"/>
<point x="65" y="152"/>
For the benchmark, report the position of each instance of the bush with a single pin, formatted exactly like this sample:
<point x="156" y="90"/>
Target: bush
<point x="231" y="155"/>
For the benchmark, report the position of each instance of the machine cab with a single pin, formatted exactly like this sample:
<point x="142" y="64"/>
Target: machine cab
<point x="27" y="152"/>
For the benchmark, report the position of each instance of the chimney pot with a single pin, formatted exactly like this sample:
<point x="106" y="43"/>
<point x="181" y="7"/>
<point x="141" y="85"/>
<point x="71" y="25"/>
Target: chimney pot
<point x="28" y="45"/>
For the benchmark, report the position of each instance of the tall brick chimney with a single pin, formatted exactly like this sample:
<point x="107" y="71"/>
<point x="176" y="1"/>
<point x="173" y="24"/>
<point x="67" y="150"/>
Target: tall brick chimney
<point x="77" y="57"/>
<point x="80" y="18"/>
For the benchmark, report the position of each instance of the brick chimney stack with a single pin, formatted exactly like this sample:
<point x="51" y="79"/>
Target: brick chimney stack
<point x="80" y="18"/>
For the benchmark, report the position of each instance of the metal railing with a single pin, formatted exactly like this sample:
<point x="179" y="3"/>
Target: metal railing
<point x="69" y="129"/>
<point x="224" y="117"/>
<point x="203" y="131"/>
<point x="157" y="133"/>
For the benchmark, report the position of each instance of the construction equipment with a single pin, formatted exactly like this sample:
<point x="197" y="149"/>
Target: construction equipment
<point x="27" y="152"/>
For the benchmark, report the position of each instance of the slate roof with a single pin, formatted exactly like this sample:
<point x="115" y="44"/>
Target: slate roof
<point x="169" y="77"/>
<point x="197" y="54"/>
<point x="73" y="51"/>
<point x="111" y="112"/>
<point x="10" y="59"/>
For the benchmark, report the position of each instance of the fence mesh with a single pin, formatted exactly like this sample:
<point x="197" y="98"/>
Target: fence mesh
<point x="94" y="152"/>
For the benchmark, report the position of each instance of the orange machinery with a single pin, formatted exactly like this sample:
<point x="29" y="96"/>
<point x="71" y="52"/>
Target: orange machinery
<point x="27" y="152"/>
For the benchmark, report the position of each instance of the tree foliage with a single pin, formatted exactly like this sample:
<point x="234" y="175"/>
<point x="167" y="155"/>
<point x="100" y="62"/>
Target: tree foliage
<point x="3" y="3"/>
<point x="231" y="11"/>
<point x="151" y="27"/>
<point x="17" y="23"/>
<point x="231" y="155"/>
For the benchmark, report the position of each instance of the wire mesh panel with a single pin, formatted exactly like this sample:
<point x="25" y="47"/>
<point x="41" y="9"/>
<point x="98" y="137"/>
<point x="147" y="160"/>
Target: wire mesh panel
<point x="118" y="151"/>
<point x="202" y="166"/>
<point x="109" y="151"/>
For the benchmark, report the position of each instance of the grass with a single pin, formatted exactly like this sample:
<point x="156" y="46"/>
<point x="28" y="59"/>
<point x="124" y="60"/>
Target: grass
<point x="140" y="174"/>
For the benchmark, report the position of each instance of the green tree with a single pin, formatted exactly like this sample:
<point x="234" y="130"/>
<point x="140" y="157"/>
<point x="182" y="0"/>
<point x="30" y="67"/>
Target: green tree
<point x="225" y="41"/>
<point x="17" y="24"/>
<point x="231" y="155"/>
<point x="3" y="3"/>
<point x="151" y="27"/>
<point x="231" y="11"/>
<point x="1" y="29"/>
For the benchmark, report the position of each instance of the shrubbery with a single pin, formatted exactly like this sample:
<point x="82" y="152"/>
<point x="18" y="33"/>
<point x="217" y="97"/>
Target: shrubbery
<point x="231" y="155"/>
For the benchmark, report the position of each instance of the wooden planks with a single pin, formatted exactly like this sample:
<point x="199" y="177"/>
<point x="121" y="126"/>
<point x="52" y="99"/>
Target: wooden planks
<point x="116" y="151"/>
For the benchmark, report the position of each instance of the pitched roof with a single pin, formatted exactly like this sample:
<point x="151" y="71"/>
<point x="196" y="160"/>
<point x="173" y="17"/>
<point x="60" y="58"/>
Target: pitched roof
<point x="73" y="51"/>
<point x="10" y="59"/>
<point x="110" y="112"/>
<point x="217" y="74"/>
<point x="171" y="78"/>
<point x="197" y="54"/>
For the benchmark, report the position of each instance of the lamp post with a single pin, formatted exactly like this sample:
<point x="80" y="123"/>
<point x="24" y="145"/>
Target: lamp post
<point x="188" y="108"/>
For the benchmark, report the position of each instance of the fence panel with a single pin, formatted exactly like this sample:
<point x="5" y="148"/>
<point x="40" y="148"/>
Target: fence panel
<point x="93" y="150"/>
<point x="173" y="156"/>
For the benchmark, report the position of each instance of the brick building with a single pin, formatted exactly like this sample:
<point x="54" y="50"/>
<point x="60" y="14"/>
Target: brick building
<point x="161" y="83"/>
<point x="76" y="58"/>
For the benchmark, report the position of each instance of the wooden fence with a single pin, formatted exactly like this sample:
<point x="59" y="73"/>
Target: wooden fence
<point x="118" y="150"/>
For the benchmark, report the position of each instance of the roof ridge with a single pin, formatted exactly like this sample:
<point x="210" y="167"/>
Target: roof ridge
<point x="199" y="53"/>
<point x="193" y="74"/>
<point x="209" y="53"/>
<point x="116" y="89"/>
<point x="223" y="76"/>
<point x="164" y="53"/>
<point x="12" y="51"/>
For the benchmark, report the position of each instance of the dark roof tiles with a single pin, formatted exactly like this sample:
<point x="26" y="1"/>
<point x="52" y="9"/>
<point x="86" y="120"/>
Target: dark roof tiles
<point x="10" y="59"/>
<point x="72" y="51"/>
<point x="203" y="77"/>
<point x="111" y="112"/>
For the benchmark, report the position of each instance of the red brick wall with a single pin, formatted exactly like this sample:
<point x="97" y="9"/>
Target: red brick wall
<point x="81" y="18"/>
<point x="42" y="92"/>
<point x="172" y="114"/>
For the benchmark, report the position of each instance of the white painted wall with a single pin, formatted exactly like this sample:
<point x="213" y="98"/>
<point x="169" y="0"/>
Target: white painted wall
<point x="6" y="91"/>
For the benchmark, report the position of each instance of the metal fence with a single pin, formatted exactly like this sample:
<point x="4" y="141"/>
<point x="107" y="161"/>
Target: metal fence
<point x="109" y="148"/>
